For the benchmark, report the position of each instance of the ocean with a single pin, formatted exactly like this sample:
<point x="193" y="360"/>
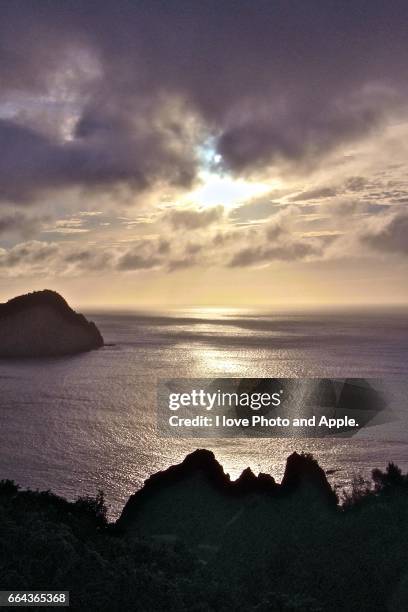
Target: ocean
<point x="87" y="422"/>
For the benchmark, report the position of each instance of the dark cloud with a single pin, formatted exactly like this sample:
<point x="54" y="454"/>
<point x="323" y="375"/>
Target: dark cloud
<point x="388" y="234"/>
<point x="163" y="247"/>
<point x="37" y="258"/>
<point x="181" y="263"/>
<point x="188" y="258"/>
<point x="145" y="254"/>
<point x="194" y="219"/>
<point x="86" y="260"/>
<point x="32" y="163"/>
<point x="78" y="257"/>
<point x="192" y="248"/>
<point x="32" y="254"/>
<point x="355" y="183"/>
<point x="300" y="137"/>
<point x="271" y="82"/>
<point x="17" y="222"/>
<point x="275" y="241"/>
<point x="290" y="251"/>
<point x="137" y="261"/>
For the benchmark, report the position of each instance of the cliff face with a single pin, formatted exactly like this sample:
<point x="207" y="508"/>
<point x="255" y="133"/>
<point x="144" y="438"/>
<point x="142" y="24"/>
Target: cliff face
<point x="41" y="324"/>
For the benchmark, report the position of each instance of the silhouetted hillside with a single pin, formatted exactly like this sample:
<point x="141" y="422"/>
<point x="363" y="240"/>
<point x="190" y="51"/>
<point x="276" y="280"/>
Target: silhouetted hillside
<point x="41" y="324"/>
<point x="191" y="539"/>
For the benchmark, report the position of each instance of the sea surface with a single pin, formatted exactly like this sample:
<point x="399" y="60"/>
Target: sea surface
<point x="77" y="424"/>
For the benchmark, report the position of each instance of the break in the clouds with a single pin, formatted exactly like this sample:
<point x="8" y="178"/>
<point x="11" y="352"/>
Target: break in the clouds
<point x="159" y="140"/>
<point x="123" y="94"/>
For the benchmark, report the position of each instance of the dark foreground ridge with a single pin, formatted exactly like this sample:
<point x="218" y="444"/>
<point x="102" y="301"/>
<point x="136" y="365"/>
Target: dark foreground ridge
<point x="193" y="540"/>
<point x="41" y="324"/>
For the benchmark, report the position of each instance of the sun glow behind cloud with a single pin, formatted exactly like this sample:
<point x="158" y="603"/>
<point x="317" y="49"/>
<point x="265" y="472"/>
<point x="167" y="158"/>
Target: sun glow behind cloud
<point x="225" y="190"/>
<point x="240" y="185"/>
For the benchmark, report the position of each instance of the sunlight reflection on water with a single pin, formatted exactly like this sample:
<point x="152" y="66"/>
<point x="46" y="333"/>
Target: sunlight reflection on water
<point x="79" y="423"/>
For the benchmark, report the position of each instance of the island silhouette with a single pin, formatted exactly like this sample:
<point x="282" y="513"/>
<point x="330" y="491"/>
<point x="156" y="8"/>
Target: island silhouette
<point x="42" y="324"/>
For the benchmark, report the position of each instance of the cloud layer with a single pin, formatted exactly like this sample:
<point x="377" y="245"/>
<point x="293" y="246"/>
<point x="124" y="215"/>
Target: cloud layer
<point x="181" y="141"/>
<point x="121" y="94"/>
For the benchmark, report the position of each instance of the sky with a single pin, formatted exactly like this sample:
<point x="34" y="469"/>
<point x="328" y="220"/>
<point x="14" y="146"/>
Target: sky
<point x="204" y="153"/>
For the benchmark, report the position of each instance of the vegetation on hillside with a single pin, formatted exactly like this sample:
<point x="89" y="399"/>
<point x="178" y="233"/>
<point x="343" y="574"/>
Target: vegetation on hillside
<point x="312" y="558"/>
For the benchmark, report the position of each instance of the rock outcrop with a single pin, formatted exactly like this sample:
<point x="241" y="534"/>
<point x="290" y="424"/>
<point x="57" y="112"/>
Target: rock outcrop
<point x="304" y="474"/>
<point x="196" y="502"/>
<point x="41" y="324"/>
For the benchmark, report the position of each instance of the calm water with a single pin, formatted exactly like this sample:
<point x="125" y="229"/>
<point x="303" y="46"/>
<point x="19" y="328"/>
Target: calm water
<point x="77" y="424"/>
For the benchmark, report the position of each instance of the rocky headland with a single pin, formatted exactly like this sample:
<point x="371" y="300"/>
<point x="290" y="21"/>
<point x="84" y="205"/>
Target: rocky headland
<point x="42" y="324"/>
